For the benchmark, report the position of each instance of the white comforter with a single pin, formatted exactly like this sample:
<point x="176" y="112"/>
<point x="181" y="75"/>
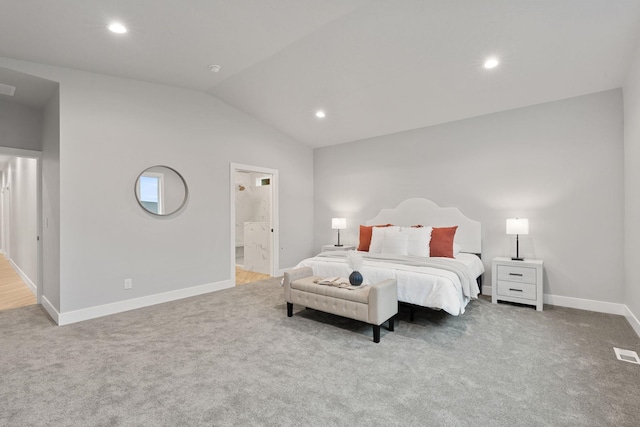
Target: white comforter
<point x="420" y="281"/>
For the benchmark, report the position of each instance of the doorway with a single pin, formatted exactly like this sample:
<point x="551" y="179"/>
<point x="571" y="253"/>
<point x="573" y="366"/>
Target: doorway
<point x="254" y="254"/>
<point x="20" y="271"/>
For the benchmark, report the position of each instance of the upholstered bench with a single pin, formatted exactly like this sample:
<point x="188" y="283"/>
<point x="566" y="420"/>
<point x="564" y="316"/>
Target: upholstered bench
<point x="373" y="304"/>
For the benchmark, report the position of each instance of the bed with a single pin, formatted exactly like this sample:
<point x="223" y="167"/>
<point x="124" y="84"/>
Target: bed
<point x="435" y="282"/>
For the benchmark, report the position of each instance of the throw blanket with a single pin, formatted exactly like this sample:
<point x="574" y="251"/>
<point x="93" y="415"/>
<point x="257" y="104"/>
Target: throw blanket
<point x="448" y="264"/>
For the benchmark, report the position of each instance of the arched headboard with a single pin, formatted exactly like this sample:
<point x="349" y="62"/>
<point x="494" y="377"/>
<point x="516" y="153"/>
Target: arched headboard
<point x="426" y="212"/>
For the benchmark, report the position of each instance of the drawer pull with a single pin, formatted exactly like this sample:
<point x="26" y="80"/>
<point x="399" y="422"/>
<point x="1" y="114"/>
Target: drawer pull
<point x="516" y="274"/>
<point x="516" y="290"/>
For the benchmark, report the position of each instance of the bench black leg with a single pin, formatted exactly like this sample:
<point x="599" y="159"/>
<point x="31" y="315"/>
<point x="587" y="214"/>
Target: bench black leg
<point x="376" y="333"/>
<point x="391" y="321"/>
<point x="289" y="309"/>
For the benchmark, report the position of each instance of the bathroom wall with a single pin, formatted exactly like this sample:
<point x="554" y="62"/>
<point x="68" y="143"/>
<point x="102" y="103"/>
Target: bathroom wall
<point x="253" y="203"/>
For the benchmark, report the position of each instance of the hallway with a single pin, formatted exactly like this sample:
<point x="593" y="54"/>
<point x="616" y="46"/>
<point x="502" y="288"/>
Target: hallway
<point x="13" y="291"/>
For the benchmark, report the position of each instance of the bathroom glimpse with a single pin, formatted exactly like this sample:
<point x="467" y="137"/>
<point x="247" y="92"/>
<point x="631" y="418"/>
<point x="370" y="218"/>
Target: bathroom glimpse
<point x="253" y="222"/>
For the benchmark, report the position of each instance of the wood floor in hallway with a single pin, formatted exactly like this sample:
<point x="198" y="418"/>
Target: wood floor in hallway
<point x="244" y="276"/>
<point x="14" y="292"/>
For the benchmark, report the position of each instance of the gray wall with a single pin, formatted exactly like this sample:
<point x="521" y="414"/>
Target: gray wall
<point x="110" y="130"/>
<point x="20" y="126"/>
<point x="50" y="288"/>
<point x="632" y="185"/>
<point x="558" y="164"/>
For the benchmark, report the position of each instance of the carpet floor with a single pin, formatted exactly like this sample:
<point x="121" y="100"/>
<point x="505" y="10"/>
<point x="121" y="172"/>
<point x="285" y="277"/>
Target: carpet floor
<point x="233" y="358"/>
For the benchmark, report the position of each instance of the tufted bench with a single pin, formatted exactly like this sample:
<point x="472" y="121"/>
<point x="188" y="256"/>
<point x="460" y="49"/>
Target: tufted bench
<point x="371" y="304"/>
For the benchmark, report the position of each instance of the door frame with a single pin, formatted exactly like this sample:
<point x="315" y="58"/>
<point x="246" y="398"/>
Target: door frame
<point x="37" y="155"/>
<point x="275" y="230"/>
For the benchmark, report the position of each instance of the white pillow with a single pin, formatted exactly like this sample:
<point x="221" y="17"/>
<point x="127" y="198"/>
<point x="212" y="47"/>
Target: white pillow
<point x="418" y="242"/>
<point x="377" y="238"/>
<point x="456" y="249"/>
<point x="395" y="241"/>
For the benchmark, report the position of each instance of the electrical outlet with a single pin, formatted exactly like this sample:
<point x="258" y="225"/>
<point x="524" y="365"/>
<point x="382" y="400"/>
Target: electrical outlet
<point x="128" y="283"/>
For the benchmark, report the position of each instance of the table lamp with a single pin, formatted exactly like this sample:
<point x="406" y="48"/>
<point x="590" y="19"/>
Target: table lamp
<point x="517" y="226"/>
<point x="338" y="224"/>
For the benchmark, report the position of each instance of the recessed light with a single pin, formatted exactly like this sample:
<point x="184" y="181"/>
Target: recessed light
<point x="491" y="63"/>
<point x="118" y="28"/>
<point x="214" y="68"/>
<point x="320" y="114"/>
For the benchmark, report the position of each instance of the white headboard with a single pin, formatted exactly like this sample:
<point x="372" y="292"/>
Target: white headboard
<point x="425" y="212"/>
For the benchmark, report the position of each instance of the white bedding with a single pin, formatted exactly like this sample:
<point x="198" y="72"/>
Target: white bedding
<point x="420" y="285"/>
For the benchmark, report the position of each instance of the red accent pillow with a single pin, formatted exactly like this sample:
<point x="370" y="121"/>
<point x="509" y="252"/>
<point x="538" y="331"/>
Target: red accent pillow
<point x="365" y="236"/>
<point x="442" y="241"/>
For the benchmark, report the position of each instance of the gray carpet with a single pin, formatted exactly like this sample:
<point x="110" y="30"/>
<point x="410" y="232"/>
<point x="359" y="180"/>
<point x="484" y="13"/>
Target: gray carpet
<point x="234" y="358"/>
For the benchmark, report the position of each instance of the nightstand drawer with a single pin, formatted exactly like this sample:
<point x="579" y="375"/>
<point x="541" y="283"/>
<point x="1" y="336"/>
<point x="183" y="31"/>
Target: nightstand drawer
<point x="517" y="290"/>
<point x="517" y="274"/>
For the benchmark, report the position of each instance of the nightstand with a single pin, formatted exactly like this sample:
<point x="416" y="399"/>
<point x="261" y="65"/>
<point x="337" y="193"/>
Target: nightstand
<point x="326" y="248"/>
<point x="517" y="281"/>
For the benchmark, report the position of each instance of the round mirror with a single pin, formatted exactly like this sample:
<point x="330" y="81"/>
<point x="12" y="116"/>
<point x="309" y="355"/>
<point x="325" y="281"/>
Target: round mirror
<point x="161" y="190"/>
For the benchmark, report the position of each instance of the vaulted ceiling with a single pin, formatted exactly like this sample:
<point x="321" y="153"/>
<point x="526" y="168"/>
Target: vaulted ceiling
<point x="374" y="66"/>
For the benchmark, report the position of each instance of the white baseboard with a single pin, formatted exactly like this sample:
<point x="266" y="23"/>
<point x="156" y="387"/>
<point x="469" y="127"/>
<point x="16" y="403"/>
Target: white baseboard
<point x="633" y="320"/>
<point x="46" y="304"/>
<point x="586" y="304"/>
<point x="27" y="281"/>
<point x="579" y="303"/>
<point x="67" y="318"/>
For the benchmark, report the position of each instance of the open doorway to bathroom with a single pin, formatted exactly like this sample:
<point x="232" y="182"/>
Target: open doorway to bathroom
<point x="253" y="215"/>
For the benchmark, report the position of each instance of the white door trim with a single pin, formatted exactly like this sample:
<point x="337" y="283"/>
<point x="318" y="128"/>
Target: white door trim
<point x="275" y="241"/>
<point x="37" y="155"/>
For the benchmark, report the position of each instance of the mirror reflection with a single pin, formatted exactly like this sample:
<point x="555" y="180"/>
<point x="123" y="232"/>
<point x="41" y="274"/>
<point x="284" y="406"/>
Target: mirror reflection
<point x="161" y="190"/>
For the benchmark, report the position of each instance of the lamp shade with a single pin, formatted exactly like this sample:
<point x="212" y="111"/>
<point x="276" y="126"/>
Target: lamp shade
<point x="338" y="223"/>
<point x="518" y="226"/>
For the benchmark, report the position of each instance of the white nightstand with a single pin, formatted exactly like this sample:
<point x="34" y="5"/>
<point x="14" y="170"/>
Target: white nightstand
<point x="517" y="281"/>
<point x="326" y="248"/>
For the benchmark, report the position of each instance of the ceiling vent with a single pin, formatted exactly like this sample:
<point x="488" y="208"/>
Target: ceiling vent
<point x="7" y="90"/>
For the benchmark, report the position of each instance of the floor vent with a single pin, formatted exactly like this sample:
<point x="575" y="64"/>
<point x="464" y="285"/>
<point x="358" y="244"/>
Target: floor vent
<point x="627" y="355"/>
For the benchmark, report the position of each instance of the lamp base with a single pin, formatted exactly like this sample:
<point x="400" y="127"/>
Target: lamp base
<point x="338" y="246"/>
<point x="517" y="259"/>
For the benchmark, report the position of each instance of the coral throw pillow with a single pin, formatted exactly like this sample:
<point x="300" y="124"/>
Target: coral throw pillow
<point x="365" y="236"/>
<point x="442" y="241"/>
